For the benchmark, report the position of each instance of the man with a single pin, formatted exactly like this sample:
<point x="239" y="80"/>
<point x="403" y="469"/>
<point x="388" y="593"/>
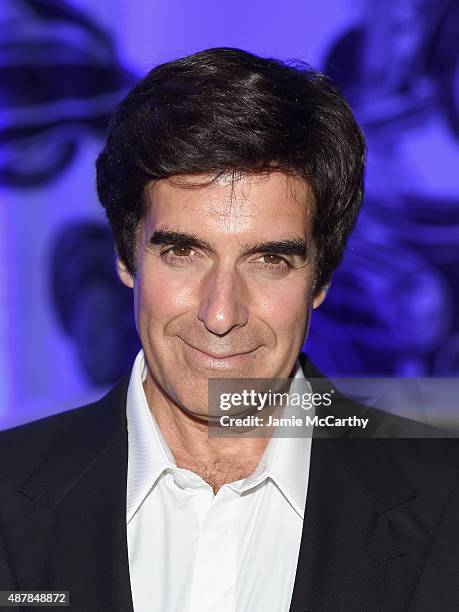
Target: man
<point x="231" y="183"/>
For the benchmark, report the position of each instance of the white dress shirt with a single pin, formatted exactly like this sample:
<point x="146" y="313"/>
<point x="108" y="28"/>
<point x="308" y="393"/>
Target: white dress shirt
<point x="193" y="551"/>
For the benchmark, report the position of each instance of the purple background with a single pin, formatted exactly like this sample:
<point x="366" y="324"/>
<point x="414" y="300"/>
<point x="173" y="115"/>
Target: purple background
<point x="66" y="324"/>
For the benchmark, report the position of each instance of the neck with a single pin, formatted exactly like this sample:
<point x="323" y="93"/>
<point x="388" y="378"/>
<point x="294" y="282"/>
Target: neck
<point x="188" y="438"/>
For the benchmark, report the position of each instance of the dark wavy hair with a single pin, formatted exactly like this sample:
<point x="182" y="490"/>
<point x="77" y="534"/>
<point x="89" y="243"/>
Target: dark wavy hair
<point x="224" y="110"/>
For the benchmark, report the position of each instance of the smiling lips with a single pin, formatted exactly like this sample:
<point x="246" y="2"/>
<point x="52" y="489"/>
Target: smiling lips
<point x="224" y="358"/>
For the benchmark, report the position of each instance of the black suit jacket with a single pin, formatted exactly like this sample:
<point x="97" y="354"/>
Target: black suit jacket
<point x="381" y="528"/>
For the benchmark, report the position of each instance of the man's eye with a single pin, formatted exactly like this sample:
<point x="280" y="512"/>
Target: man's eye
<point x="271" y="258"/>
<point x="271" y="262"/>
<point x="181" y="251"/>
<point x="179" y="255"/>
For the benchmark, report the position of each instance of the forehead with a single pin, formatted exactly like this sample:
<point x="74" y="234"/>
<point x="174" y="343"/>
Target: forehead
<point x="269" y="204"/>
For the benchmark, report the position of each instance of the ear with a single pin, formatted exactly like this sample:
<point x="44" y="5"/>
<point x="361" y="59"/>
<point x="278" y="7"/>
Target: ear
<point x="124" y="274"/>
<point x="320" y="296"/>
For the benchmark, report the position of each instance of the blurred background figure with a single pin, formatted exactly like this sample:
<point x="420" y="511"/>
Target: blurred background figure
<point x="66" y="322"/>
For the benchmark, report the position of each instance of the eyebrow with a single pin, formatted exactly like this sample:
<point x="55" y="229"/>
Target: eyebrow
<point x="288" y="246"/>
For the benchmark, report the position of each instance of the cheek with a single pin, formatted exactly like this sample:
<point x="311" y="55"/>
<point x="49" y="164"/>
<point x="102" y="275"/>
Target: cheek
<point x="160" y="297"/>
<point x="284" y="307"/>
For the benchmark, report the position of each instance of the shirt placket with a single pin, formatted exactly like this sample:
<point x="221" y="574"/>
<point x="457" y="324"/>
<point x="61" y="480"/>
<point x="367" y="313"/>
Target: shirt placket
<point x="215" y="573"/>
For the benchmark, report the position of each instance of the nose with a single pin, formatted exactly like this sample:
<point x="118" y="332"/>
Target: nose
<point x="222" y="301"/>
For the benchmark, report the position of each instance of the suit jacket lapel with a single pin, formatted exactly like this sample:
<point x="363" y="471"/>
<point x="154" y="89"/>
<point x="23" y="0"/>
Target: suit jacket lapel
<point x="367" y="532"/>
<point x="66" y="526"/>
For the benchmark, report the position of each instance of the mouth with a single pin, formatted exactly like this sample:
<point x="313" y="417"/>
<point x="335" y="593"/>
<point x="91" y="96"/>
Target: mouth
<point x="228" y="360"/>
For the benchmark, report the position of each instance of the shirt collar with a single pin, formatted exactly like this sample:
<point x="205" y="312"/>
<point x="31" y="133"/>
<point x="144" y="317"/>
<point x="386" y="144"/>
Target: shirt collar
<point x="148" y="452"/>
<point x="285" y="460"/>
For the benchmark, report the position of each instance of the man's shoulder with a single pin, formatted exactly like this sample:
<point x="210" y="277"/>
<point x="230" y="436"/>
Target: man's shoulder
<point x="25" y="446"/>
<point x="18" y="439"/>
<point x="422" y="450"/>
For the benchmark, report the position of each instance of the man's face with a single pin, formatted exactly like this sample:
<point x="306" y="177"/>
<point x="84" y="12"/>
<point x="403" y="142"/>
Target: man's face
<point x="223" y="284"/>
